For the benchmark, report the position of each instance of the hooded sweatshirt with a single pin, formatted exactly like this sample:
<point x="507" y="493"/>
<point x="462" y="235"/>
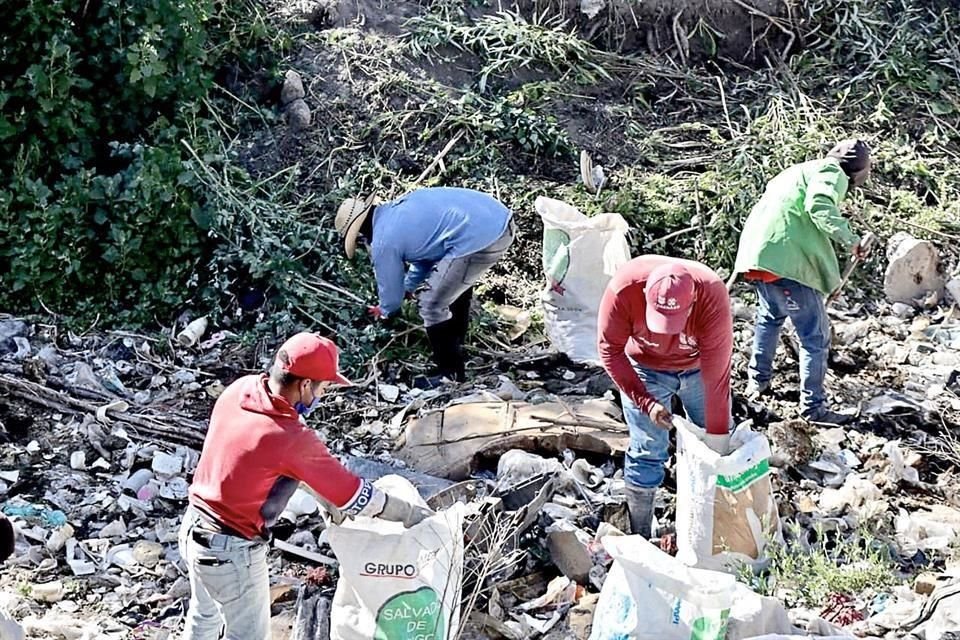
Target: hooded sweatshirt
<point x="257" y="450"/>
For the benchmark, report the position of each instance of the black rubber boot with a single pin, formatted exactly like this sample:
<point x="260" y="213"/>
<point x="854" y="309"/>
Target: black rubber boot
<point x="447" y="355"/>
<point x="460" y="320"/>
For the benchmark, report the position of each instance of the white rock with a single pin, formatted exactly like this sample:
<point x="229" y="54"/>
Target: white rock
<point x="166" y="465"/>
<point x="78" y="460"/>
<point x="389" y="392"/>
<point x="592" y="7"/>
<point x="913" y="271"/>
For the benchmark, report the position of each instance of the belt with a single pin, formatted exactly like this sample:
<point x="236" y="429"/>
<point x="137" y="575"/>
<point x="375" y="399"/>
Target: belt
<point x="213" y="541"/>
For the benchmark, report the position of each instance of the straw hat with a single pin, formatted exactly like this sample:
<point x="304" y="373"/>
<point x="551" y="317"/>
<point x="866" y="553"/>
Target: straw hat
<point x="350" y="216"/>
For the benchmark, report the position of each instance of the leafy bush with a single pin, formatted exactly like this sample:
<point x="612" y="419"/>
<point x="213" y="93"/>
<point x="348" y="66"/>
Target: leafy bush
<point x="96" y="207"/>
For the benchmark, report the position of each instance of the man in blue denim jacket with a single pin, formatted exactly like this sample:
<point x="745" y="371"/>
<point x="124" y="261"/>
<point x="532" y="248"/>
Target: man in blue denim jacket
<point x="444" y="237"/>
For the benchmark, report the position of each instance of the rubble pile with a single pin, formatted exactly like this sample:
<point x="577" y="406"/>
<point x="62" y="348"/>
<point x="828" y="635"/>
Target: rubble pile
<point x="102" y="433"/>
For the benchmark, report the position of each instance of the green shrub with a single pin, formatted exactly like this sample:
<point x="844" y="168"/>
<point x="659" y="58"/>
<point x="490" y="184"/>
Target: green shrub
<point x="97" y="208"/>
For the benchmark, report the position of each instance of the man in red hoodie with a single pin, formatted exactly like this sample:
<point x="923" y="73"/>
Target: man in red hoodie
<point x="257" y="450"/>
<point x="665" y="330"/>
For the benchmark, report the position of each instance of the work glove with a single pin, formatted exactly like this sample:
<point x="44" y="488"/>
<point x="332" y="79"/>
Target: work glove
<point x="375" y="312"/>
<point x="397" y="510"/>
<point x="718" y="442"/>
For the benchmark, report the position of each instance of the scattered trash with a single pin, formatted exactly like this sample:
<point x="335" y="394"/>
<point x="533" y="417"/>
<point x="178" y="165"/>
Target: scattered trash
<point x="931" y="530"/>
<point x="516" y="466"/>
<point x="192" y="333"/>
<point x="517" y="320"/>
<point x="388" y="392"/>
<point x="47" y="591"/>
<point x="447" y="443"/>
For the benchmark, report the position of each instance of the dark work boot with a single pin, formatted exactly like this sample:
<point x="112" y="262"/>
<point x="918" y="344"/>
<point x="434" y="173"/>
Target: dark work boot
<point x="447" y="355"/>
<point x="460" y="320"/>
<point x="640" y="506"/>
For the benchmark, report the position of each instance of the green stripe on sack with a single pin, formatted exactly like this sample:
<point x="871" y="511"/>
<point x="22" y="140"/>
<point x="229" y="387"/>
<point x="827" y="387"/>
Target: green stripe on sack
<point x="743" y="480"/>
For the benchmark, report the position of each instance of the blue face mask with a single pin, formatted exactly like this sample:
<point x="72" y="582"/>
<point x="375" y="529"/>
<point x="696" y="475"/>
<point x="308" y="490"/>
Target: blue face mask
<point x="303" y="409"/>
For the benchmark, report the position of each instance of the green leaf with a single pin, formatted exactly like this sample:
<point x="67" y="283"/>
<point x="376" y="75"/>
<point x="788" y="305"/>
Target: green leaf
<point x="941" y="108"/>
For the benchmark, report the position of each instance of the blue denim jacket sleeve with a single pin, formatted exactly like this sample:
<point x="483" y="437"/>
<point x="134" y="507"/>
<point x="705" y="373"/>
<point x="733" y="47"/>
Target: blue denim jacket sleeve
<point x="388" y="267"/>
<point x="417" y="273"/>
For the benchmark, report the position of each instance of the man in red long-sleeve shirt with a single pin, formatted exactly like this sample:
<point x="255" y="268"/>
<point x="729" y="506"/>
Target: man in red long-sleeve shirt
<point x="257" y="450"/>
<point x="665" y="329"/>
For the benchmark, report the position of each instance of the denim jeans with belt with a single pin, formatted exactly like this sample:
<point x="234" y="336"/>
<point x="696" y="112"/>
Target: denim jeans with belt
<point x="643" y="464"/>
<point x="229" y="584"/>
<point x="777" y="301"/>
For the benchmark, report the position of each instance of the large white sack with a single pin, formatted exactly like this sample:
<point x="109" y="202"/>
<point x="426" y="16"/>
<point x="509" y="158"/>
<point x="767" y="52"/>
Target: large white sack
<point x="396" y="583"/>
<point x="752" y="615"/>
<point x="651" y="595"/>
<point x="580" y="255"/>
<point x="726" y="511"/>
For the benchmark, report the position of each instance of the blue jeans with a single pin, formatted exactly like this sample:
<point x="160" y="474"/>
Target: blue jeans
<point x="643" y="464"/>
<point x="778" y="301"/>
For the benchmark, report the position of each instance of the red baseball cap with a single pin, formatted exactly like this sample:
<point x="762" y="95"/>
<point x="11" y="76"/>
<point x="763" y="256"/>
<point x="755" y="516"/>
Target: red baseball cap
<point x="313" y="357"/>
<point x="670" y="292"/>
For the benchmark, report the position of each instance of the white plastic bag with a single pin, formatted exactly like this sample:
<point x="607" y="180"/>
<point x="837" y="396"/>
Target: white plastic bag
<point x="396" y="583"/>
<point x="580" y="255"/>
<point x="649" y="594"/>
<point x="726" y="512"/>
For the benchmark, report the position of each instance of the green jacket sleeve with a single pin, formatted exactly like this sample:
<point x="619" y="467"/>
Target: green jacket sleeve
<point x="825" y="191"/>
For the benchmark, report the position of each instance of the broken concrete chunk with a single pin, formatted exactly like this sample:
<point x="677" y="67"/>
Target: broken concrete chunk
<point x="147" y="553"/>
<point x="913" y="271"/>
<point x="78" y="460"/>
<point x="569" y="551"/>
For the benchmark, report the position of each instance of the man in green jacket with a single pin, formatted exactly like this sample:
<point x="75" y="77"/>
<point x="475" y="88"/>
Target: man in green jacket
<point x="786" y="251"/>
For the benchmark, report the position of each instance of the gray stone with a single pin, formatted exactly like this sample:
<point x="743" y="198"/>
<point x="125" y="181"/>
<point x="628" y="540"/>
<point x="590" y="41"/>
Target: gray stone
<point x="292" y="88"/>
<point x="298" y="115"/>
<point x="570" y="555"/>
<point x="913" y="271"/>
<point x="13" y="329"/>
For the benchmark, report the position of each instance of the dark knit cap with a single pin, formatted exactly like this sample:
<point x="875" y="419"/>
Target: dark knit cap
<point x="7" y="538"/>
<point x="854" y="155"/>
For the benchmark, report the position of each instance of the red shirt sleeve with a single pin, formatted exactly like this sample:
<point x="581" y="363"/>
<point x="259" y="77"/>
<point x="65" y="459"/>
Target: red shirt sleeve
<point x="308" y="460"/>
<point x="614" y="329"/>
<point x="714" y="331"/>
